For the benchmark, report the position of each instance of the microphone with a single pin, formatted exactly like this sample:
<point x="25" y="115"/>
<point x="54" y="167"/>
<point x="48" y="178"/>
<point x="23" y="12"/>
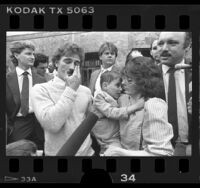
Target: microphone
<point x="183" y="66"/>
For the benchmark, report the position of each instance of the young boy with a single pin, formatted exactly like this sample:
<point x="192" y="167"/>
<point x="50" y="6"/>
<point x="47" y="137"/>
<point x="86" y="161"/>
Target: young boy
<point x="106" y="129"/>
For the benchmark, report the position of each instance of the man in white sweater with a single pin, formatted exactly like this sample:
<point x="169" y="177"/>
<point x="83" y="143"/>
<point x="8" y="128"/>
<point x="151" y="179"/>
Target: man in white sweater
<point x="61" y="104"/>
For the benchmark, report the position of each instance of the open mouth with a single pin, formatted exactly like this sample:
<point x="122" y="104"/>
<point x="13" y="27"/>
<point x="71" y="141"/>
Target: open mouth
<point x="70" y="72"/>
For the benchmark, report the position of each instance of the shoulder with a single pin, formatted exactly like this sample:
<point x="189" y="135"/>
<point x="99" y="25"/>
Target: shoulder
<point x="95" y="72"/>
<point x="116" y="68"/>
<point x="154" y="104"/>
<point x="10" y="74"/>
<point x="39" y="88"/>
<point x="85" y="89"/>
<point x="39" y="78"/>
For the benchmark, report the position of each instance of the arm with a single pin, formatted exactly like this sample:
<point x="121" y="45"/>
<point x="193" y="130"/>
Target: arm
<point x="108" y="110"/>
<point x="117" y="151"/>
<point x="157" y="132"/>
<point x="51" y="115"/>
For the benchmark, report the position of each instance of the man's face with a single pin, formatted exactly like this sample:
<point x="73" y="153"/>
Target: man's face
<point x="66" y="65"/>
<point x="50" y="67"/>
<point x="25" y="58"/>
<point x="171" y="46"/>
<point x="114" y="88"/>
<point x="155" y="50"/>
<point x="108" y="58"/>
<point x="41" y="69"/>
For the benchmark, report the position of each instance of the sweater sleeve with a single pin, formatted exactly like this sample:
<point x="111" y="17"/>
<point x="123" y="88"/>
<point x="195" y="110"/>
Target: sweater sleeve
<point x="157" y="132"/>
<point x="51" y="115"/>
<point x="108" y="110"/>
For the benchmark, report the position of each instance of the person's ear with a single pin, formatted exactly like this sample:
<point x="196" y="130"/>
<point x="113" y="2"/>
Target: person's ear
<point x="16" y="55"/>
<point x="104" y="86"/>
<point x="151" y="52"/>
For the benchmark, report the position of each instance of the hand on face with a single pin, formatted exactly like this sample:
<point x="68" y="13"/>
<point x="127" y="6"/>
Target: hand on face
<point x="74" y="80"/>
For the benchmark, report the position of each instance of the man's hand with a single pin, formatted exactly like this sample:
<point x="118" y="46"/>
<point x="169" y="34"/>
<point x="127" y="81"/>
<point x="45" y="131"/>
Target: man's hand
<point x="74" y="80"/>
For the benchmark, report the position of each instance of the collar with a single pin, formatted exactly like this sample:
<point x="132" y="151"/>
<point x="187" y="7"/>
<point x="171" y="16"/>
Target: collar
<point x="108" y="69"/>
<point x="165" y="68"/>
<point x="20" y="71"/>
<point x="59" y="81"/>
<point x="107" y="96"/>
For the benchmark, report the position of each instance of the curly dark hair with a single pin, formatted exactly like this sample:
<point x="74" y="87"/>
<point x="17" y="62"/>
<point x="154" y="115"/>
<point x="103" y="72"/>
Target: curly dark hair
<point x="147" y="77"/>
<point x="68" y="50"/>
<point x="40" y="58"/>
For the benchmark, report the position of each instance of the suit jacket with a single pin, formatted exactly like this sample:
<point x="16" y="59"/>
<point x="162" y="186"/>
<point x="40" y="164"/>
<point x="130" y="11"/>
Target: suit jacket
<point x="13" y="101"/>
<point x="188" y="79"/>
<point x="95" y="75"/>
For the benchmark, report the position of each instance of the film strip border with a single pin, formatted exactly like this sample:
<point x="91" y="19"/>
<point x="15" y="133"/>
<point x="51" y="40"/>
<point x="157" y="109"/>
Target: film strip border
<point x="111" y="22"/>
<point x="116" y="170"/>
<point x="101" y="17"/>
<point x="121" y="170"/>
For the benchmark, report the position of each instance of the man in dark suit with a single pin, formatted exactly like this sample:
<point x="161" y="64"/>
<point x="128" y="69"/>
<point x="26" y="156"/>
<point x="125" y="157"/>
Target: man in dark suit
<point x="172" y="49"/>
<point x="21" y="121"/>
<point x="107" y="55"/>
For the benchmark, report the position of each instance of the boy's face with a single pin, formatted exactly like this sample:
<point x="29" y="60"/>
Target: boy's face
<point x="114" y="88"/>
<point x="108" y="58"/>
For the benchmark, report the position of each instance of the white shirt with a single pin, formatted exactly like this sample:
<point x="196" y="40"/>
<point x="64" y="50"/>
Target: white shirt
<point x="20" y="82"/>
<point x="97" y="84"/>
<point x="181" y="101"/>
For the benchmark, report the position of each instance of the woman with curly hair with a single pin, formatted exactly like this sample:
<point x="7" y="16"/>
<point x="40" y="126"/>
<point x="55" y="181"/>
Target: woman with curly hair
<point x="146" y="132"/>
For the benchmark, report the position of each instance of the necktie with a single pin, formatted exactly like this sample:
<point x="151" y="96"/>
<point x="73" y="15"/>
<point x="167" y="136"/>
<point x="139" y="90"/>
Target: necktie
<point x="172" y="104"/>
<point x="25" y="94"/>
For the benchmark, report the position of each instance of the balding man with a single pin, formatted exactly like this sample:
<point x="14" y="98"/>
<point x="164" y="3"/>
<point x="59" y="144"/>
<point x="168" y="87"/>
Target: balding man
<point x="172" y="48"/>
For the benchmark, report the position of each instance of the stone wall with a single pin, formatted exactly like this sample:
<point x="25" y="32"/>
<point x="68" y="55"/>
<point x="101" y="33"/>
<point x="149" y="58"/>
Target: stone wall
<point x="48" y="42"/>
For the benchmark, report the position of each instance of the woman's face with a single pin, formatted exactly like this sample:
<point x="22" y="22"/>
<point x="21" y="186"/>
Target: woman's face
<point x="128" y="84"/>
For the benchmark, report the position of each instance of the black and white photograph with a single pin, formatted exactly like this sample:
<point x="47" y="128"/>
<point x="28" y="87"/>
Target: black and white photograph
<point x="98" y="93"/>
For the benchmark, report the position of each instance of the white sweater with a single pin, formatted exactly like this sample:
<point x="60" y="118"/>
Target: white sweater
<point x="60" y="110"/>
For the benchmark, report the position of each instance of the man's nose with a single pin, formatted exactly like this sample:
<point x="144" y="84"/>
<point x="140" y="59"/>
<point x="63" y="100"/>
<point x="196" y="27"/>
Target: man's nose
<point x="165" y="47"/>
<point x="32" y="56"/>
<point x="72" y="66"/>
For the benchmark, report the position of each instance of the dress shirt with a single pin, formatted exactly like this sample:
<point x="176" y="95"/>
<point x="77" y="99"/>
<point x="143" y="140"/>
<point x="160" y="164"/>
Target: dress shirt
<point x="181" y="100"/>
<point x="97" y="84"/>
<point x="20" y="82"/>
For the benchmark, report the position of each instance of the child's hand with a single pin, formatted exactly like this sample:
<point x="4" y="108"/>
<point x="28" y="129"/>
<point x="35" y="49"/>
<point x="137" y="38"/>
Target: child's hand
<point x="137" y="106"/>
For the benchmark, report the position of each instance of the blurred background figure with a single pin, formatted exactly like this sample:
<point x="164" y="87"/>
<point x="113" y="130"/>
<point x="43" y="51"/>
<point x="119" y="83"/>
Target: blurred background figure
<point x="41" y="64"/>
<point x="51" y="71"/>
<point x="21" y="148"/>
<point x="154" y="51"/>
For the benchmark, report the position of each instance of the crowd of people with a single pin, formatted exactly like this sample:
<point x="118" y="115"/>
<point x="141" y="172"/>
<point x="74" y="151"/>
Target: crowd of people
<point x="142" y="109"/>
